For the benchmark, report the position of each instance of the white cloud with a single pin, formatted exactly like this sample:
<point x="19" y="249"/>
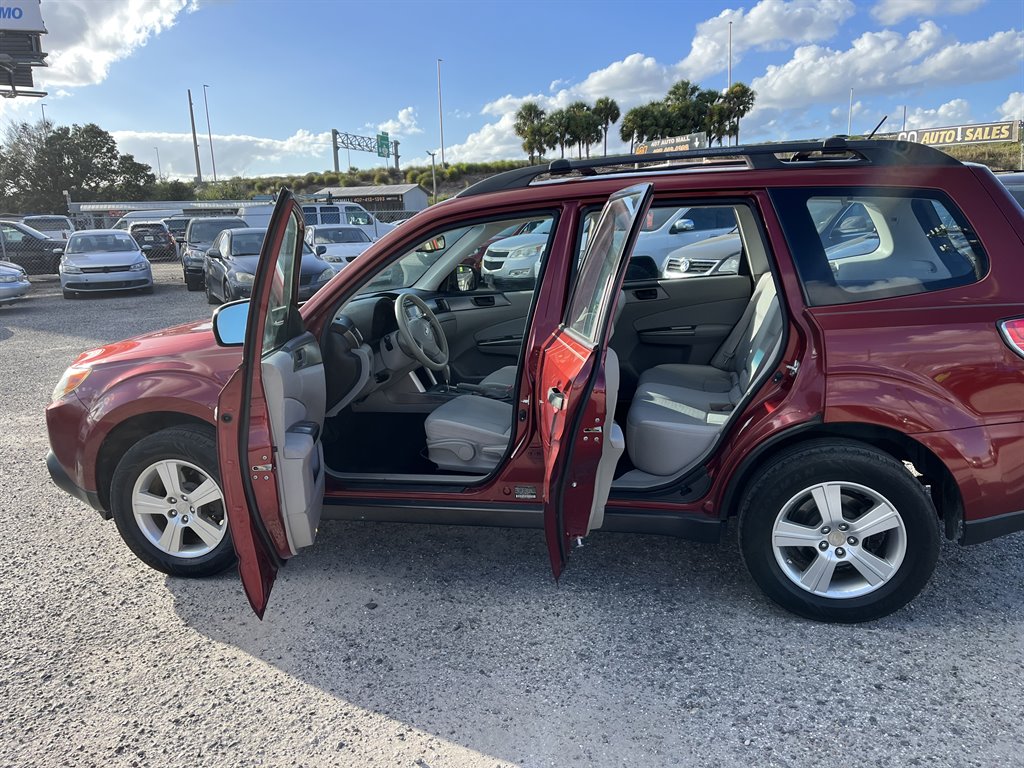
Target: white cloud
<point x="1012" y="108"/>
<point x="403" y="125"/>
<point x="495" y="141"/>
<point x="236" y="154"/>
<point x="85" y="37"/>
<point x="953" y="112"/>
<point x="894" y="11"/>
<point x="769" y="25"/>
<point x="886" y="62"/>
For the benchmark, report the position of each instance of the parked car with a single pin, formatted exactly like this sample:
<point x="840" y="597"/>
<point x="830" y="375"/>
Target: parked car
<point x="337" y="243"/>
<point x="14" y="283"/>
<point x="104" y="260"/>
<point x="39" y="254"/>
<point x="176" y="225"/>
<point x="52" y="226"/>
<point x="156" y="235"/>
<point x="664" y="230"/>
<point x="199" y="236"/>
<point x="1014" y="182"/>
<point x="231" y="264"/>
<point x="154" y="215"/>
<point x="350" y="214"/>
<point x="845" y="412"/>
<point x="511" y="263"/>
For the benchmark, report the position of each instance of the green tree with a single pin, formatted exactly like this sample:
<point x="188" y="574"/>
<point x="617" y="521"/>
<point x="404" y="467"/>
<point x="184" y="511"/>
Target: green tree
<point x="557" y="129"/>
<point x="607" y="112"/>
<point x="717" y="123"/>
<point x="529" y="127"/>
<point x="738" y="101"/>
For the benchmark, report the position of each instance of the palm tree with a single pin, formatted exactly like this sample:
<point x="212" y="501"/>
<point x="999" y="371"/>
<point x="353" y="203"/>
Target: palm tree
<point x="739" y="100"/>
<point x="580" y="125"/>
<point x="607" y="111"/>
<point x="528" y="120"/>
<point x="558" y="129"/>
<point x="717" y="123"/>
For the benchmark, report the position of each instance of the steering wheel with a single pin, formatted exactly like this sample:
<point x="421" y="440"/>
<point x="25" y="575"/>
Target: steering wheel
<point x="421" y="331"/>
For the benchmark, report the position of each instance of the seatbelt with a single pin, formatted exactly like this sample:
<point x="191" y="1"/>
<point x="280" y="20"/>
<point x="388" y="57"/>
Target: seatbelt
<point x="727" y="351"/>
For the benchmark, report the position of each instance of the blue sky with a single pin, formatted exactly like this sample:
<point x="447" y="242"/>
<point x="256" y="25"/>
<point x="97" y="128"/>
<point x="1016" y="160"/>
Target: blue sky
<point x="282" y="74"/>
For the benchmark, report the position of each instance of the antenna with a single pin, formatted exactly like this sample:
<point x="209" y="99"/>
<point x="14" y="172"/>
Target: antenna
<point x="884" y="118"/>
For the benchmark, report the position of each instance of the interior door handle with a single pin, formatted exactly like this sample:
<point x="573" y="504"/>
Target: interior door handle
<point x="483" y="301"/>
<point x="646" y="294"/>
<point x="556" y="398"/>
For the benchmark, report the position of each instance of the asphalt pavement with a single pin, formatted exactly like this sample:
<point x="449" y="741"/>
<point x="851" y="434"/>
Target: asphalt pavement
<point x="431" y="646"/>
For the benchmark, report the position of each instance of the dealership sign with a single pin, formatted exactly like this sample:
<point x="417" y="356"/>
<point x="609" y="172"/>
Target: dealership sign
<point x="674" y="144"/>
<point x="21" y="16"/>
<point x="977" y="133"/>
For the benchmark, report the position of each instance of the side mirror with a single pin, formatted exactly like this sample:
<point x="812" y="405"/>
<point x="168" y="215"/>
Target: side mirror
<point x="320" y="250"/>
<point x="465" y="278"/>
<point x="213" y="253"/>
<point x="682" y="225"/>
<point x="229" y="321"/>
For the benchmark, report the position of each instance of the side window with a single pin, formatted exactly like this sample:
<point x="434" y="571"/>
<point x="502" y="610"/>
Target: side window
<point x="309" y="214"/>
<point x="225" y="245"/>
<point x="477" y="258"/>
<point x="878" y="245"/>
<point x="12" y="235"/>
<point x="357" y="217"/>
<point x="330" y="214"/>
<point x="275" y="330"/>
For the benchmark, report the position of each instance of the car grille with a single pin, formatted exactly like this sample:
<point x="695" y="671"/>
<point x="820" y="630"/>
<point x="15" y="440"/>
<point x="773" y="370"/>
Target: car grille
<point x="694" y="266"/>
<point x="104" y="270"/>
<point x="494" y="259"/>
<point x="107" y="286"/>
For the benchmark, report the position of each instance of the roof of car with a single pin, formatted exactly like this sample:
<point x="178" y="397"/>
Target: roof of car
<point x="99" y="232"/>
<point x="247" y="230"/>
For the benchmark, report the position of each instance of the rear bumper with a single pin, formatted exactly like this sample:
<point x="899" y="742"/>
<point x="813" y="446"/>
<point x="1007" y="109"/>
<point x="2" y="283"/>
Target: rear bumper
<point x="63" y="481"/>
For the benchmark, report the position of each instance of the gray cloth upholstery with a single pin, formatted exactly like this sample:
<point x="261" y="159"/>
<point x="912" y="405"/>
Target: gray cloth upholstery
<point x="678" y="410"/>
<point x="468" y="433"/>
<point x="505" y="377"/>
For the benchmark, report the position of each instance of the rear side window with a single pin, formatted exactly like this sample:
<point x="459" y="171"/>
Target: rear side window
<point x="854" y="245"/>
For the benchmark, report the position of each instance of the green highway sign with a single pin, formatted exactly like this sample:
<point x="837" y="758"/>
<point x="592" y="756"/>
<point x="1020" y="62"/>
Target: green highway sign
<point x="383" y="145"/>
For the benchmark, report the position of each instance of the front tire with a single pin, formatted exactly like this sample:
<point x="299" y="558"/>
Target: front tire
<point x="836" y="531"/>
<point x="168" y="504"/>
<point x="194" y="282"/>
<point x="210" y="298"/>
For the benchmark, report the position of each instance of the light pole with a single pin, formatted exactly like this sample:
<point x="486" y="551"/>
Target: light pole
<point x="433" y="176"/>
<point x="159" y="170"/>
<point x="849" y="120"/>
<point x="42" y="106"/>
<point x="209" y="133"/>
<point x="440" y="112"/>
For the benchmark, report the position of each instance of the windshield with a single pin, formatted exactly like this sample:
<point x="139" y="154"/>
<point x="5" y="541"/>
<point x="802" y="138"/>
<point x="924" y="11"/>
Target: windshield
<point x="247" y="243"/>
<point x="101" y="243"/>
<point x="47" y="223"/>
<point x="339" y="235"/>
<point x="414" y="264"/>
<point x="204" y="231"/>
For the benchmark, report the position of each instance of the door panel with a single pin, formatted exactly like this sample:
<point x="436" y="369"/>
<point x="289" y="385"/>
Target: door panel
<point x="483" y="337"/>
<point x="676" y="321"/>
<point x="270" y="415"/>
<point x="570" y="390"/>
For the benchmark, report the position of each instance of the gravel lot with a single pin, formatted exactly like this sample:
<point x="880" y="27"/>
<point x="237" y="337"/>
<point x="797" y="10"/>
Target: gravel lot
<point x="431" y="646"/>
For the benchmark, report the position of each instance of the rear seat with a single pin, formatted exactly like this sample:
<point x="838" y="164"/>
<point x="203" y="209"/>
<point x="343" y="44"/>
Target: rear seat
<point x="678" y="410"/>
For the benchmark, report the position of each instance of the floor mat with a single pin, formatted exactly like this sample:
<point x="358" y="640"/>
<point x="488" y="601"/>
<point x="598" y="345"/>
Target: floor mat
<point x="377" y="442"/>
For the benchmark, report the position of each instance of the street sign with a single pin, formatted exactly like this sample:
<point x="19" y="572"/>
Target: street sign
<point x="950" y="135"/>
<point x="383" y="144"/>
<point x="674" y="144"/>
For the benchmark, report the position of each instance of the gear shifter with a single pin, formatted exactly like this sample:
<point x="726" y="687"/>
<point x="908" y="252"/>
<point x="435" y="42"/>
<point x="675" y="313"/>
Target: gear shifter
<point x="446" y="375"/>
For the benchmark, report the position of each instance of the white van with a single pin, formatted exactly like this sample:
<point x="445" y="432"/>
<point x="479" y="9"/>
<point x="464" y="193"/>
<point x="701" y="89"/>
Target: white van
<point x="351" y="214"/>
<point x="133" y="216"/>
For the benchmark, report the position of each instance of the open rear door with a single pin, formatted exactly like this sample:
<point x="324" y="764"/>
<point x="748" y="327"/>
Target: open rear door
<point x="270" y="414"/>
<point x="574" y="416"/>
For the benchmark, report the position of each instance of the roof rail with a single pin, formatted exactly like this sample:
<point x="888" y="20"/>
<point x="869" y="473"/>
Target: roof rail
<point x="757" y="156"/>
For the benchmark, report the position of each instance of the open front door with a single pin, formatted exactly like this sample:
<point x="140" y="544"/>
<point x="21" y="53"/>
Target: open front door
<point x="270" y="414"/>
<point x="575" y="417"/>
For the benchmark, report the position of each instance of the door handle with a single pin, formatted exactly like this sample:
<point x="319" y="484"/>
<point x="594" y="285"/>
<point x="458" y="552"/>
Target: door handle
<point x="556" y="398"/>
<point x="646" y="294"/>
<point x="483" y="301"/>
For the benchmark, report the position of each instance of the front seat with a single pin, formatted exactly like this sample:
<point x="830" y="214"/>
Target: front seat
<point x="503" y="377"/>
<point x="468" y="433"/>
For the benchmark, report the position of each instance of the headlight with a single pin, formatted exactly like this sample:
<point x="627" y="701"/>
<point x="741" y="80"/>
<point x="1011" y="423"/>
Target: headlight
<point x="10" y="279"/>
<point x="326" y="275"/>
<point x="526" y="251"/>
<point x="70" y="381"/>
<point x="139" y="266"/>
<point x="243" y="278"/>
<point x="191" y="256"/>
<point x="331" y="258"/>
<point x="69" y="268"/>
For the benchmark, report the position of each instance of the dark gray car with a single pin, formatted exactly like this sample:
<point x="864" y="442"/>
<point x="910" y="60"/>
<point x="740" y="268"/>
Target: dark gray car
<point x="199" y="236"/>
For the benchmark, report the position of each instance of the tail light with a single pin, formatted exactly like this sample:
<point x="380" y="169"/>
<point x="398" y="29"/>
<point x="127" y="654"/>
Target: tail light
<point x="1012" y="332"/>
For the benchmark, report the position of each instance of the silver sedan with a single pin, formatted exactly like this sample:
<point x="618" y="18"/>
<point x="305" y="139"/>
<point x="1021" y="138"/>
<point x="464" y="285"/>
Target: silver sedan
<point x="14" y="282"/>
<point x="104" y="260"/>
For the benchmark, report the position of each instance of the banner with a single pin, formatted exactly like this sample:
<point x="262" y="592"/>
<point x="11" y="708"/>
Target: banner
<point x="976" y="133"/>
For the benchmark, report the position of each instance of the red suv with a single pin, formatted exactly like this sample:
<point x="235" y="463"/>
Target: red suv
<point x="852" y="391"/>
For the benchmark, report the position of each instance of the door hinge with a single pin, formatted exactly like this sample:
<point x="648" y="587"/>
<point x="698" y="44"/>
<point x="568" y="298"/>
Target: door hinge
<point x="592" y="430"/>
<point x="793" y="367"/>
<point x="263" y="468"/>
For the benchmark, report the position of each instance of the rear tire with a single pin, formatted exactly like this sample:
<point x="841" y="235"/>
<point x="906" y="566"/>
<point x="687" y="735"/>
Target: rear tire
<point x="194" y="282"/>
<point x="836" y="531"/>
<point x="149" y="498"/>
